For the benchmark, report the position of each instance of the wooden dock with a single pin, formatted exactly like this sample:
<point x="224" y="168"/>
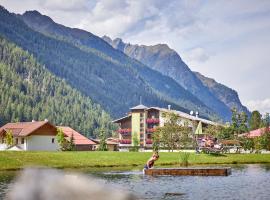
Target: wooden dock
<point x="188" y="172"/>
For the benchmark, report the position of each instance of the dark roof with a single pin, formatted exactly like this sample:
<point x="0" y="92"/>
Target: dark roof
<point x="139" y="107"/>
<point x="122" y="118"/>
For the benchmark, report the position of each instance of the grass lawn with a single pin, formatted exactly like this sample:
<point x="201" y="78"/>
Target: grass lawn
<point x="10" y="160"/>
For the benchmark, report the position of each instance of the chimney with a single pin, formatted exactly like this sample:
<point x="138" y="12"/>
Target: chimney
<point x="169" y="107"/>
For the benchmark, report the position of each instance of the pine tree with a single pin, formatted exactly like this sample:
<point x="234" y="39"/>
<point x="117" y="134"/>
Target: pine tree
<point x="102" y="143"/>
<point x="9" y="141"/>
<point x="255" y="120"/>
<point x="61" y="139"/>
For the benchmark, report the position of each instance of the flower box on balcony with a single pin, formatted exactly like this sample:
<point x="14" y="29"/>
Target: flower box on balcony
<point x="124" y="131"/>
<point x="125" y="141"/>
<point x="150" y="130"/>
<point x="149" y="141"/>
<point x="152" y="121"/>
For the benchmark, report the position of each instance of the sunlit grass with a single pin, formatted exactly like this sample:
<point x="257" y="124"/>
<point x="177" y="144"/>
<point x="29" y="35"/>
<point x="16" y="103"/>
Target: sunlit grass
<point x="16" y="160"/>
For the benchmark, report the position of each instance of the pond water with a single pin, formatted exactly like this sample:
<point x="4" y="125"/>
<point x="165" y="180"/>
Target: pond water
<point x="246" y="182"/>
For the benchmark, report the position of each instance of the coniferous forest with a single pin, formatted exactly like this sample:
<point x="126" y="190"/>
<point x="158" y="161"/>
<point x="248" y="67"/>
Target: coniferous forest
<point x="29" y="91"/>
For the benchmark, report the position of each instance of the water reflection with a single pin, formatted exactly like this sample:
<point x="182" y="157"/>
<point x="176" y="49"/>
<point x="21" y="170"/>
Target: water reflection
<point x="246" y="182"/>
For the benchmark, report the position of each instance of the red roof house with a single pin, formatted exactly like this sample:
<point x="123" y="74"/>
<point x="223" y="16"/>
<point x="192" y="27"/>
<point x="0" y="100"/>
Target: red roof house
<point x="81" y="142"/>
<point x="255" y="133"/>
<point x="31" y="136"/>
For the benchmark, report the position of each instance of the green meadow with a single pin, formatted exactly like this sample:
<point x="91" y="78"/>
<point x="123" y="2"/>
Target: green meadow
<point x="11" y="160"/>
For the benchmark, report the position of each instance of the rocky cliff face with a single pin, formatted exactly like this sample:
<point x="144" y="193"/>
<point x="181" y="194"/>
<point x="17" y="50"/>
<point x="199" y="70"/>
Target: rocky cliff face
<point x="167" y="61"/>
<point x="227" y="95"/>
<point x="166" y="87"/>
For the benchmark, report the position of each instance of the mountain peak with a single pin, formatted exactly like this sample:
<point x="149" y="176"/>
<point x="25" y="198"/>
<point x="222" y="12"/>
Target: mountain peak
<point x="39" y="18"/>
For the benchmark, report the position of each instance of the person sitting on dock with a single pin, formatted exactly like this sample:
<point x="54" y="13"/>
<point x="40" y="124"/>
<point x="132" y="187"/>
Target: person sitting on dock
<point x="151" y="161"/>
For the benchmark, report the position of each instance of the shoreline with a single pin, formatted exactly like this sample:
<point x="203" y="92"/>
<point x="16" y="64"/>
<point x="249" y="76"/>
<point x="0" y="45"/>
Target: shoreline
<point x="12" y="161"/>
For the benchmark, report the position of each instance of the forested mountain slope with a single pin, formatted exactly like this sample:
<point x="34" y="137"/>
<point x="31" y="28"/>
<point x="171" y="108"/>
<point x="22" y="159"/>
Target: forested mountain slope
<point x="29" y="91"/>
<point x="115" y="87"/>
<point x="224" y="93"/>
<point x="164" y="86"/>
<point x="167" y="61"/>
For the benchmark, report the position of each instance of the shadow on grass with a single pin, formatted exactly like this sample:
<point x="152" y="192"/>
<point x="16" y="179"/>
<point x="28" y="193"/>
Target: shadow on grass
<point x="217" y="155"/>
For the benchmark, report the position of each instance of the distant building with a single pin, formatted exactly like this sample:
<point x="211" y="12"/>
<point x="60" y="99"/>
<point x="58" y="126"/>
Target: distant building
<point x="81" y="142"/>
<point x="142" y="121"/>
<point x="255" y="133"/>
<point x="31" y="136"/>
<point x="111" y="143"/>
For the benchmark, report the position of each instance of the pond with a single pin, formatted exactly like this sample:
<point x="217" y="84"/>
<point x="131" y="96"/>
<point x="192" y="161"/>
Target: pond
<point x="246" y="182"/>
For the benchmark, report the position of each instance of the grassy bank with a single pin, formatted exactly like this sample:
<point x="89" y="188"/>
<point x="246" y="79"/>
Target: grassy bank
<point x="16" y="160"/>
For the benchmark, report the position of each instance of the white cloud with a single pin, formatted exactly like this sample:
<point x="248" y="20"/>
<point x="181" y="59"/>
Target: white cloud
<point x="262" y="106"/>
<point x="64" y="5"/>
<point x="196" y="55"/>
<point x="117" y="17"/>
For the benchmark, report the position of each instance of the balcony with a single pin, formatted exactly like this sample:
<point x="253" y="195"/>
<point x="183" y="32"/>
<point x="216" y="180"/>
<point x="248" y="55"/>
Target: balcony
<point x="150" y="130"/>
<point x="149" y="141"/>
<point x="124" y="142"/>
<point x="126" y="131"/>
<point x="152" y="121"/>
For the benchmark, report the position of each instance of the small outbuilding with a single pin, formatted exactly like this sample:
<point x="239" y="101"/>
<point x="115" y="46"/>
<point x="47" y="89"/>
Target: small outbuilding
<point x="81" y="142"/>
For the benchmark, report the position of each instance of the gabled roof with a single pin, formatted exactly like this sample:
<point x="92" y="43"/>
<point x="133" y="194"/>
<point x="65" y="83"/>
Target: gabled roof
<point x="255" y="133"/>
<point x="185" y="115"/>
<point x="139" y="107"/>
<point x="120" y="119"/>
<point x="22" y="129"/>
<point x="79" y="139"/>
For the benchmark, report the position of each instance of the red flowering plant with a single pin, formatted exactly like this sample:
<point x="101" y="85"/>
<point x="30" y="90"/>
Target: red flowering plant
<point x="149" y="141"/>
<point x="150" y="130"/>
<point x="125" y="141"/>
<point x="152" y="121"/>
<point x="124" y="131"/>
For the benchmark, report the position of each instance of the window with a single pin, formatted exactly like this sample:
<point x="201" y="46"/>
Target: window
<point x="141" y="115"/>
<point x="16" y="141"/>
<point x="22" y="140"/>
<point x="53" y="140"/>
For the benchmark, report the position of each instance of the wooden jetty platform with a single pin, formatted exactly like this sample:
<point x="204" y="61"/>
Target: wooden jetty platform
<point x="188" y="171"/>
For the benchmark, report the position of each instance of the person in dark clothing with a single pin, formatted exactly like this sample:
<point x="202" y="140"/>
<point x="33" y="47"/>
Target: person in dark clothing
<point x="150" y="163"/>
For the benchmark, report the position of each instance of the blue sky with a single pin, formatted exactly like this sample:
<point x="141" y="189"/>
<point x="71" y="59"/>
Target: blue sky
<point x="225" y="40"/>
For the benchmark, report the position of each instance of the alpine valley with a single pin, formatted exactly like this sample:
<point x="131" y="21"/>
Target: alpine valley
<point x="95" y="79"/>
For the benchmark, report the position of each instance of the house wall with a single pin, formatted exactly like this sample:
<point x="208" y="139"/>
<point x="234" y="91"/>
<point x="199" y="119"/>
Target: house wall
<point x="46" y="129"/>
<point x="84" y="147"/>
<point x="22" y="146"/>
<point x="126" y="123"/>
<point x="41" y="143"/>
<point x="112" y="147"/>
<point x="3" y="146"/>
<point x="135" y="121"/>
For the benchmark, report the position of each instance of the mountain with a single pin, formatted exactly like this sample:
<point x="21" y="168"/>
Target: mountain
<point x="167" y="61"/>
<point x="227" y="95"/>
<point x="164" y="90"/>
<point x="114" y="86"/>
<point x="29" y="91"/>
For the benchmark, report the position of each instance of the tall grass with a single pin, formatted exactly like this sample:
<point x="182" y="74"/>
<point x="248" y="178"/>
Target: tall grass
<point x="184" y="158"/>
